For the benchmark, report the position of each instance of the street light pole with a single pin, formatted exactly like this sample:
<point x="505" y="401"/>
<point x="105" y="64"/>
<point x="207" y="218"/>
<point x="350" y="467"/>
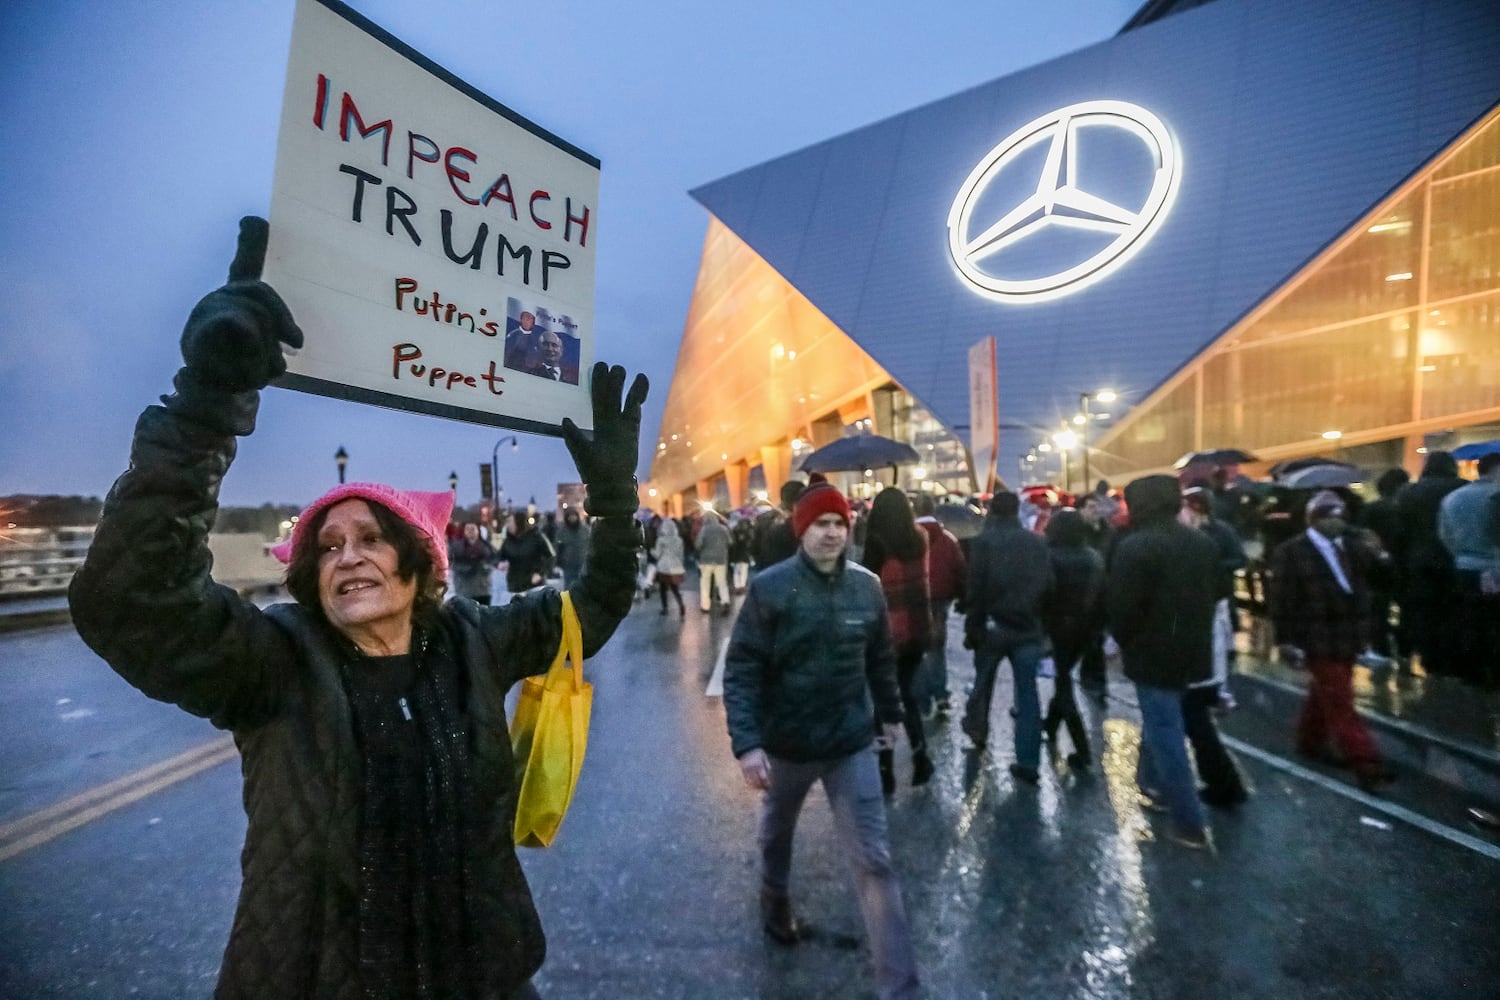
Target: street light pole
<point x="1084" y="399"/>
<point x="341" y="459"/>
<point x="515" y="445"/>
<point x="453" y="482"/>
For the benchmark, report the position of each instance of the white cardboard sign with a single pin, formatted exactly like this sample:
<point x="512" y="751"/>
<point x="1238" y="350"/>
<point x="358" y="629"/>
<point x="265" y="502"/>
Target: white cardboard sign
<point x="436" y="248"/>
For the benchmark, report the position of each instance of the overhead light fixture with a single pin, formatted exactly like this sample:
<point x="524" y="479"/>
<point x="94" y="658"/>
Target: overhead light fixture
<point x="1332" y="435"/>
<point x="1399" y="276"/>
<point x="1399" y="225"/>
<point x="1106" y="396"/>
<point x="1080" y="419"/>
<point x="1044" y="447"/>
<point x="1066" y="440"/>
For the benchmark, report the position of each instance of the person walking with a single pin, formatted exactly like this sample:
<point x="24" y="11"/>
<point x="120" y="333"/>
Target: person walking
<point x="1097" y="509"/>
<point x="896" y="551"/>
<point x="1465" y="529"/>
<point x="713" y="563"/>
<point x="1159" y="593"/>
<point x="1074" y="618"/>
<point x="1223" y="786"/>
<point x="774" y="538"/>
<point x="572" y="545"/>
<point x="669" y="564"/>
<point x="369" y="715"/>
<point x="809" y="670"/>
<point x="946" y="575"/>
<point x="473" y="561"/>
<point x="1429" y="581"/>
<point x="1320" y="608"/>
<point x="741" y="541"/>
<point x="1389" y="642"/>
<point x="525" y="553"/>
<point x="1010" y="577"/>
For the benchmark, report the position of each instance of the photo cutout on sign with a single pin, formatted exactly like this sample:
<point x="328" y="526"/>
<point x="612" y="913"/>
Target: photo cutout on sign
<point x="540" y="343"/>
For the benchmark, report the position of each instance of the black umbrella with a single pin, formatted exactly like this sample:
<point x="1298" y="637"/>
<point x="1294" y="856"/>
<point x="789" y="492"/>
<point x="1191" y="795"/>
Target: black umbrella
<point x="964" y="520"/>
<point x="1215" y="456"/>
<point x="1281" y="469"/>
<point x="857" y="453"/>
<point x="1322" y="477"/>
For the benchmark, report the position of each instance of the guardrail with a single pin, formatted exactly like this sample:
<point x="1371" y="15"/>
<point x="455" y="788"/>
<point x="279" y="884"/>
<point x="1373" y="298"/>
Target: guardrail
<point x="38" y="562"/>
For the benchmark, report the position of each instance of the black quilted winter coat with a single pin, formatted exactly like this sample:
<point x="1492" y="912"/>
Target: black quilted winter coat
<point x="144" y="601"/>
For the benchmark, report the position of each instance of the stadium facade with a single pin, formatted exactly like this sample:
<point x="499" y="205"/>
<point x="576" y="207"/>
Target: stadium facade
<point x="1265" y="224"/>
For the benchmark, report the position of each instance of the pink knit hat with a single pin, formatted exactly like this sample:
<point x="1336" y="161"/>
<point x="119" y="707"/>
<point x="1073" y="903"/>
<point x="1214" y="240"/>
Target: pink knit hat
<point x="427" y="512"/>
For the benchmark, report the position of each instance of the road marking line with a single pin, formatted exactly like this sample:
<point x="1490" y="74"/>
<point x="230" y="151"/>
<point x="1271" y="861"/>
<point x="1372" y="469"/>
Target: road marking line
<point x="716" y="682"/>
<point x="39" y="827"/>
<point x="1370" y="801"/>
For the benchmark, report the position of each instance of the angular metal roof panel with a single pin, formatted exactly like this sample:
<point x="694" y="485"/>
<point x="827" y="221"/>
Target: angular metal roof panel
<point x="1292" y="120"/>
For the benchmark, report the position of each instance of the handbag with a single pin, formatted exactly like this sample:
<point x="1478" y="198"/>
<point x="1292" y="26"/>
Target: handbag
<point x="549" y="735"/>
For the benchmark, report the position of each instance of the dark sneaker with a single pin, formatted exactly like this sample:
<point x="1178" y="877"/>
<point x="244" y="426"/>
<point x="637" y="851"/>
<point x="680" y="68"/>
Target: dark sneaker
<point x="921" y="768"/>
<point x="777" y="917"/>
<point x="1080" y="762"/>
<point x="1026" y="774"/>
<point x="976" y="735"/>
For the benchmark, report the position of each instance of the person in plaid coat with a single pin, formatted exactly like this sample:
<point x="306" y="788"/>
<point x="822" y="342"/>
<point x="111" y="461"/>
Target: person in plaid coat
<point x="896" y="551"/>
<point x="1320" y="604"/>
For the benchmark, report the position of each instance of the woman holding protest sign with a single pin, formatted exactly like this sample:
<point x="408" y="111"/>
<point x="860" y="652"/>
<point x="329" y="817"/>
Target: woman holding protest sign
<point x="370" y="717"/>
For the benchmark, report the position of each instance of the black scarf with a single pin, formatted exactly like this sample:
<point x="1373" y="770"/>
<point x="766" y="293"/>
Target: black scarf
<point x="411" y="730"/>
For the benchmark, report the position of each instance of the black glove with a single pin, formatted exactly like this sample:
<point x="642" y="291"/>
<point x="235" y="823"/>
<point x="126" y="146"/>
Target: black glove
<point x="232" y="340"/>
<point x="606" y="458"/>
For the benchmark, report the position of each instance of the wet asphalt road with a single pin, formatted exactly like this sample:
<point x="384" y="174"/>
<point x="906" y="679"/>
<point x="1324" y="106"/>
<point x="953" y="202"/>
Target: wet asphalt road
<point x="1066" y="890"/>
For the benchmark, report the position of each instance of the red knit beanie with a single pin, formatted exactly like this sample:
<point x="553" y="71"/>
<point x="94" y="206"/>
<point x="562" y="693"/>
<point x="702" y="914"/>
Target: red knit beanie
<point x="820" y="498"/>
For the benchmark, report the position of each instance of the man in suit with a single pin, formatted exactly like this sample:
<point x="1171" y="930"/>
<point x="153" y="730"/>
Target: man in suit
<point x="1320" y="606"/>
<point x="549" y="363"/>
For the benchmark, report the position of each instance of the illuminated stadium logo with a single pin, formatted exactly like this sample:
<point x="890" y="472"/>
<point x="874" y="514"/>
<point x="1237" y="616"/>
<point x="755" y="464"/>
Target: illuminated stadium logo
<point x="1059" y="203"/>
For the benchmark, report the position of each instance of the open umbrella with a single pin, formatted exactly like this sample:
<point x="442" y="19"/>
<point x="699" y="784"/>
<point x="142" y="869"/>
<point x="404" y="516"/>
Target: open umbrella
<point x="1322" y="477"/>
<point x="1215" y="456"/>
<point x="1281" y="469"/>
<point x="857" y="453"/>
<point x="964" y="520"/>
<point x="1477" y="450"/>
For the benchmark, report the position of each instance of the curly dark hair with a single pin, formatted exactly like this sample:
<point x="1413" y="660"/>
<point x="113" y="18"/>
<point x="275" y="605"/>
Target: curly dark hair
<point x="892" y="531"/>
<point x="413" y="560"/>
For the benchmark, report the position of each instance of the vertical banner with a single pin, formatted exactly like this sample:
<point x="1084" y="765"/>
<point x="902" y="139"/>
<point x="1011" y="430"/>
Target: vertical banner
<point x="984" y="412"/>
<point x="436" y="247"/>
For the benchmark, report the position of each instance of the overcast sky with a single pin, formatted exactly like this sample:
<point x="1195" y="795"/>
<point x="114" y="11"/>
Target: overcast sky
<point x="138" y="133"/>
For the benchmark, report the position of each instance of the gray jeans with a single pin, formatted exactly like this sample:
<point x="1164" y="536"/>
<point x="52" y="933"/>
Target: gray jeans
<point x="852" y="785"/>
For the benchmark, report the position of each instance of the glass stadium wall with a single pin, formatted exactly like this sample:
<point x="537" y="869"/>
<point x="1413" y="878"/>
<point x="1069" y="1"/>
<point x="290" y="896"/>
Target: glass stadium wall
<point x="763" y="377"/>
<point x="1385" y="344"/>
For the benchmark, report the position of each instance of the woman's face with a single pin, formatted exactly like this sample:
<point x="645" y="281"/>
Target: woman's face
<point x="358" y="585"/>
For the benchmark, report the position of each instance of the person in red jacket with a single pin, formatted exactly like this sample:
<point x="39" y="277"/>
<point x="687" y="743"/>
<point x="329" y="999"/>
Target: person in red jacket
<point x="896" y="551"/>
<point x="946" y="572"/>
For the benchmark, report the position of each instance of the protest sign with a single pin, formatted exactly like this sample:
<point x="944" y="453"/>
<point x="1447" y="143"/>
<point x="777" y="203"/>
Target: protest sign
<point x="436" y="247"/>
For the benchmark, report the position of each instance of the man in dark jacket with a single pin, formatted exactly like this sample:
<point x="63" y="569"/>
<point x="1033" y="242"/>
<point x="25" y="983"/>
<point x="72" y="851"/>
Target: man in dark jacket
<point x="1160" y="596"/>
<point x="526" y="553"/>
<point x="1096" y="508"/>
<point x="1010" y="576"/>
<point x="810" y="666"/>
<point x="1429" y="582"/>
<point x="1383" y="517"/>
<point x="774" y="538"/>
<point x="947" y="573"/>
<point x="1320" y="607"/>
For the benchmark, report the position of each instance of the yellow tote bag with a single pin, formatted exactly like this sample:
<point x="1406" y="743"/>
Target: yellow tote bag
<point x="548" y="737"/>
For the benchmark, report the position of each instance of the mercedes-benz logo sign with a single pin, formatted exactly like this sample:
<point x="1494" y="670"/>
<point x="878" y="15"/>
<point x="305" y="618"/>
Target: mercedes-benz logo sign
<point x="1057" y="201"/>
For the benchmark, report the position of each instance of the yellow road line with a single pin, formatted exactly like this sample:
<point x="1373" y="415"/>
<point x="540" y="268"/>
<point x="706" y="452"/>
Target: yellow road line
<point x="55" y="820"/>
